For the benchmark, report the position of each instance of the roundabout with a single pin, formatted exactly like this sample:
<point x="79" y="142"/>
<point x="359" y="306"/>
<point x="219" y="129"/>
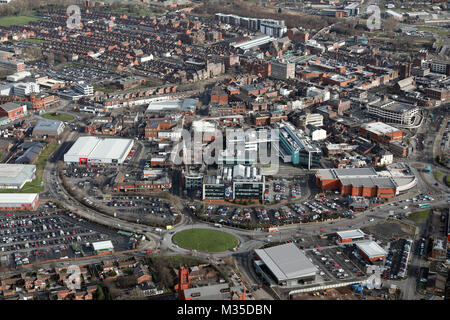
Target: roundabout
<point x="206" y="240"/>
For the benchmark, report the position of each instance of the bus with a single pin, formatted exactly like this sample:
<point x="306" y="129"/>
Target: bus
<point x="423" y="205"/>
<point x="273" y="230"/>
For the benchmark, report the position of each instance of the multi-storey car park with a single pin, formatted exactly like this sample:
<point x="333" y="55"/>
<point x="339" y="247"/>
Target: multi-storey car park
<point x="394" y="112"/>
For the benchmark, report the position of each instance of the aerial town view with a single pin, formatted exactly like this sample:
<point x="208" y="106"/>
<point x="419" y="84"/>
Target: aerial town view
<point x="254" y="150"/>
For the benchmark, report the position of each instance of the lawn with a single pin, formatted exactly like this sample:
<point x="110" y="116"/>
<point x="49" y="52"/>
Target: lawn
<point x="447" y="180"/>
<point x="205" y="240"/>
<point x="36" y="185"/>
<point x="438" y="175"/>
<point x="419" y="216"/>
<point x="58" y="116"/>
<point x="31" y="40"/>
<point x="16" y="20"/>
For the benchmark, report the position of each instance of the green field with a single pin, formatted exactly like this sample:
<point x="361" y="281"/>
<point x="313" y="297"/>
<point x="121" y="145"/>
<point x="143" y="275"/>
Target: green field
<point x="16" y="20"/>
<point x="438" y="175"/>
<point x="447" y="180"/>
<point x="205" y="240"/>
<point x="419" y="216"/>
<point x="58" y="116"/>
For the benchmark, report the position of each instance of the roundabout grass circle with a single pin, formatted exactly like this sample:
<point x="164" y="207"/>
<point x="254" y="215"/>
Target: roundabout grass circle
<point x="205" y="240"/>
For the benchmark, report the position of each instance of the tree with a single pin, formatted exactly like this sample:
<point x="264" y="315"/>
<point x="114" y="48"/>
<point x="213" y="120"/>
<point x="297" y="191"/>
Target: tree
<point x="279" y="10"/>
<point x="50" y="59"/>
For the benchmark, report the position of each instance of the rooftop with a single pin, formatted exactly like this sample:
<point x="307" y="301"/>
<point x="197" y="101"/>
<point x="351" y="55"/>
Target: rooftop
<point x="286" y="261"/>
<point x="353" y="234"/>
<point x="371" y="249"/>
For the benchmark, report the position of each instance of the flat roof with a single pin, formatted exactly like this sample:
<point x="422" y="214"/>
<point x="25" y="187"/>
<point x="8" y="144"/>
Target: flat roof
<point x="16" y="174"/>
<point x="353" y="234"/>
<point x="98" y="148"/>
<point x="379" y="128"/>
<point x="286" y="261"/>
<point x="102" y="245"/>
<point x="17" y="198"/>
<point x="371" y="249"/>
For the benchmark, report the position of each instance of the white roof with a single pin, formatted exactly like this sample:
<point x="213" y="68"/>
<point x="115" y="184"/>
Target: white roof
<point x="286" y="262"/>
<point x="379" y="128"/>
<point x="371" y="249"/>
<point x="97" y="148"/>
<point x="83" y="147"/>
<point x="17" y="197"/>
<point x="102" y="245"/>
<point x="111" y="148"/>
<point x="357" y="233"/>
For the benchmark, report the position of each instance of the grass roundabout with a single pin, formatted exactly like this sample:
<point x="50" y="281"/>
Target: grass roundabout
<point x="205" y="240"/>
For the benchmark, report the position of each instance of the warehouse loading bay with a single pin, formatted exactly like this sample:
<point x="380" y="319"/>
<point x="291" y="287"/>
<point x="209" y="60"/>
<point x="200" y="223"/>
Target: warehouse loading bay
<point x="49" y="234"/>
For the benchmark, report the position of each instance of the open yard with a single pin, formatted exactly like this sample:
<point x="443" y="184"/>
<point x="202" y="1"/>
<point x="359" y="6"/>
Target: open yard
<point x="205" y="240"/>
<point x="419" y="216"/>
<point x="16" y="20"/>
<point x="58" y="116"/>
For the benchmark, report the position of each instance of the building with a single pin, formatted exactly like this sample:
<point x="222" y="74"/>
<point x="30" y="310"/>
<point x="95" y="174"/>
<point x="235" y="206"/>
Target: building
<point x="48" y="128"/>
<point x="19" y="201"/>
<point x="155" y="125"/>
<point x="285" y="265"/>
<point x="181" y="105"/>
<point x="12" y="65"/>
<point x="296" y="147"/>
<point x="380" y="132"/>
<point x="84" y="88"/>
<point x="390" y="111"/>
<point x="238" y="182"/>
<point x="363" y="182"/>
<point x="103" y="247"/>
<point x="93" y="150"/>
<point x="437" y="66"/>
<point x="371" y="251"/>
<point x="350" y="235"/>
<point x="14" y="176"/>
<point x="13" y="111"/>
<point x="25" y="89"/>
<point x="282" y="71"/>
<point x="218" y="291"/>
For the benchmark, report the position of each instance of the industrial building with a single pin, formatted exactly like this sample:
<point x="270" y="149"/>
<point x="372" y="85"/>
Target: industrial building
<point x="390" y="111"/>
<point x="19" y="201"/>
<point x="239" y="182"/>
<point x="371" y="251"/>
<point x="350" y="235"/>
<point x="285" y="265"/>
<point x="14" y="176"/>
<point x="93" y="150"/>
<point x="296" y="147"/>
<point x="363" y="182"/>
<point x="183" y="105"/>
<point x="48" y="128"/>
<point x="380" y="132"/>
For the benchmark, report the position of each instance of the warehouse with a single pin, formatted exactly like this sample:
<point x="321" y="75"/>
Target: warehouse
<point x="14" y="176"/>
<point x="371" y="250"/>
<point x="94" y="150"/>
<point x="364" y="182"/>
<point x="19" y="201"/>
<point x="48" y="128"/>
<point x="350" y="235"/>
<point x="285" y="265"/>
